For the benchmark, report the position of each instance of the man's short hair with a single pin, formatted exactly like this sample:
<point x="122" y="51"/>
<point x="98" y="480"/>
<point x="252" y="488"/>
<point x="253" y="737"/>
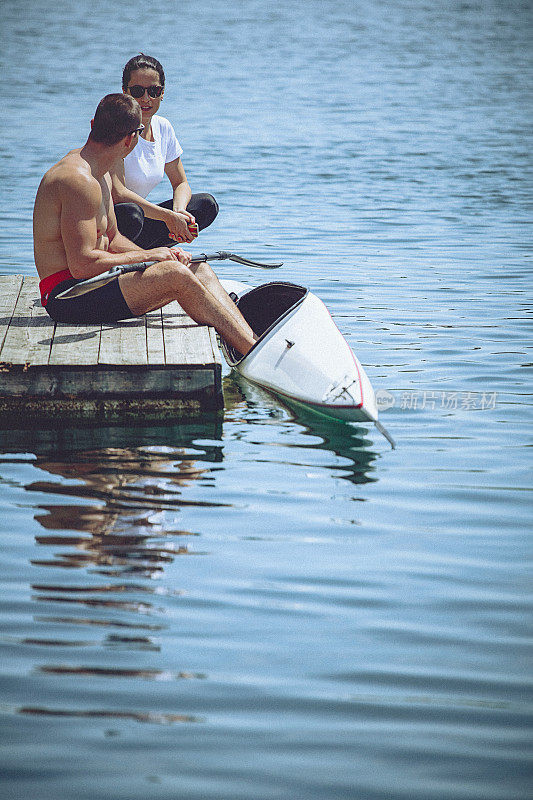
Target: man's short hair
<point x="117" y="116"/>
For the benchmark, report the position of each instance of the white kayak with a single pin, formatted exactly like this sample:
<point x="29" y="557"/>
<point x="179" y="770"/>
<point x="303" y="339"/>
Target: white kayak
<point x="301" y="355"/>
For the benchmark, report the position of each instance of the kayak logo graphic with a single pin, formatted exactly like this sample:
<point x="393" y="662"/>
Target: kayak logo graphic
<point x="384" y="400"/>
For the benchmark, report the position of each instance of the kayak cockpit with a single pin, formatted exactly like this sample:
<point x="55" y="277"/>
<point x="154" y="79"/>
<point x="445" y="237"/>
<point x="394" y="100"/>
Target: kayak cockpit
<point x="264" y="307"/>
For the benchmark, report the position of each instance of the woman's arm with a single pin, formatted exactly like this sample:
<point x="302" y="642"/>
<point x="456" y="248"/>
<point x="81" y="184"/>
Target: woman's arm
<point x="177" y="225"/>
<point x="175" y="172"/>
<point x="121" y="194"/>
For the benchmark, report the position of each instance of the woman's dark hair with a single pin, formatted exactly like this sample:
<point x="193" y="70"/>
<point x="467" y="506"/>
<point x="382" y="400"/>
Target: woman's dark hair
<point x="142" y="62"/>
<point x="117" y="116"/>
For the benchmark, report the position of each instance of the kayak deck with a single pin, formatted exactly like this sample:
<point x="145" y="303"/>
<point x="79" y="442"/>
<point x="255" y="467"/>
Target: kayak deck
<point x="160" y="366"/>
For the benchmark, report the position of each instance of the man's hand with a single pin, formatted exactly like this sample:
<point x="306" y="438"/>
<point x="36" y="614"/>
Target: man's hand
<point x="177" y="223"/>
<point x="184" y="257"/>
<point x="170" y="254"/>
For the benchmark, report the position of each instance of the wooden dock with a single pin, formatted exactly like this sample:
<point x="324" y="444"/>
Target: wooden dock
<point x="158" y="367"/>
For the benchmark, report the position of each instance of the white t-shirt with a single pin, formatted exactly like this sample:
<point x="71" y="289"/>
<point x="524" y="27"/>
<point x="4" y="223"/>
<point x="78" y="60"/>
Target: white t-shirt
<point x="144" y="167"/>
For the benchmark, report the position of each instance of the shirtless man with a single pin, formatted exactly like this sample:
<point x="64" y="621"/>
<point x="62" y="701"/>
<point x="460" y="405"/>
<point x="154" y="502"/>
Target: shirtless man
<point x="76" y="237"/>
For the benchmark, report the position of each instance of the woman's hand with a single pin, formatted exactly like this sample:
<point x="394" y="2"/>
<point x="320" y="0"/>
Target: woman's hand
<point x="177" y="223"/>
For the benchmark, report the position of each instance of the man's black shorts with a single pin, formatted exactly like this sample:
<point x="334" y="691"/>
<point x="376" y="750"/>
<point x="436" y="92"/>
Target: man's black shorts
<point x="105" y="304"/>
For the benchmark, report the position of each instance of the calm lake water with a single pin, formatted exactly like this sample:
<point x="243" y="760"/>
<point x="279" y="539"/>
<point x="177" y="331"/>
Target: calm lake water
<point x="264" y="606"/>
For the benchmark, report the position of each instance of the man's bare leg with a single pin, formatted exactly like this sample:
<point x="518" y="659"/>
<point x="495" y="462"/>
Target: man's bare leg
<point x="166" y="281"/>
<point x="209" y="279"/>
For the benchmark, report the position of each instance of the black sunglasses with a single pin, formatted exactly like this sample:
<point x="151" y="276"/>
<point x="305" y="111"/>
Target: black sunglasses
<point x="138" y="130"/>
<point x="138" y="91"/>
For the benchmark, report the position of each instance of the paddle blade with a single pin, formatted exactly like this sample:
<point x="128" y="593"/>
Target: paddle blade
<point x="248" y="263"/>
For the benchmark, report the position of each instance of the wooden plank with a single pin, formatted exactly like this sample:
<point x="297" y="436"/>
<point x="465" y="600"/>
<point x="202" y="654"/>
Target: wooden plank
<point x="163" y="361"/>
<point x="75" y="344"/>
<point x="185" y="341"/>
<point x="215" y="349"/>
<point x="155" y="346"/>
<point x="9" y="293"/>
<point x="188" y="345"/>
<point x="123" y="343"/>
<point x="18" y="412"/>
<point x="174" y="316"/>
<point x="29" y="337"/>
<point x="104" y="381"/>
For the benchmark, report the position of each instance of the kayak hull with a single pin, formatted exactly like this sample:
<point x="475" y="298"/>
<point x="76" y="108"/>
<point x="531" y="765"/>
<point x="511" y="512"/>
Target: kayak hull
<point x="301" y="355"/>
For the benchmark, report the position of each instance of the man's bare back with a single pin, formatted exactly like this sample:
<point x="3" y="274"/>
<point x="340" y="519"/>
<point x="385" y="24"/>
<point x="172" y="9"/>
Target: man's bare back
<point x="61" y="187"/>
<point x="76" y="237"/>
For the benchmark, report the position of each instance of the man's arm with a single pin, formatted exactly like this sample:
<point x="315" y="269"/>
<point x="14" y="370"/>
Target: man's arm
<point x="89" y="254"/>
<point x="118" y="243"/>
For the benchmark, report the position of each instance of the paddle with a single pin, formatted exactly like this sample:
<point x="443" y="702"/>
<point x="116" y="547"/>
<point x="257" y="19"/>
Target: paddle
<point x="100" y="280"/>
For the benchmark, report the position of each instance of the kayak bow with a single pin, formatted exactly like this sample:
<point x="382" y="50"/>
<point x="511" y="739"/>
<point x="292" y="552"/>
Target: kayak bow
<point x="301" y="355"/>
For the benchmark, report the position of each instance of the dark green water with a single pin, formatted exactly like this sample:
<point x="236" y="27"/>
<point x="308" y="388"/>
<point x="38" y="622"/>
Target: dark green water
<point x="268" y="606"/>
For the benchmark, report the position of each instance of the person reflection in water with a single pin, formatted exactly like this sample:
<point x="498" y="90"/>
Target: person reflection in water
<point x="126" y="522"/>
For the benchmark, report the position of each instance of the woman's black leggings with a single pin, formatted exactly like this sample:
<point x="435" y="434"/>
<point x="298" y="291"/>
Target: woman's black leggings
<point x="148" y="233"/>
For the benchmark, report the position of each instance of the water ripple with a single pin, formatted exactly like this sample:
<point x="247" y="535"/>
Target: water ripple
<point x="288" y="608"/>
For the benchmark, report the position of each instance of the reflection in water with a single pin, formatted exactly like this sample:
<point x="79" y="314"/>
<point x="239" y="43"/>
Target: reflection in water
<point x="137" y="716"/>
<point x="123" y="535"/>
<point x="343" y="439"/>
<point x="61" y="440"/>
<point x="107" y="672"/>
<point x="113" y="554"/>
<point x="133" y="487"/>
<point x="117" y="531"/>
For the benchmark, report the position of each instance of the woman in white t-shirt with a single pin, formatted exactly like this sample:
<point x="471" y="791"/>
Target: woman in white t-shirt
<point x="156" y="154"/>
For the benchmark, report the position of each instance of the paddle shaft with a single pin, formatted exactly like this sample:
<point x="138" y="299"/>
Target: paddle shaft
<point x="220" y="255"/>
<point x="143" y="264"/>
<point x="101" y="280"/>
